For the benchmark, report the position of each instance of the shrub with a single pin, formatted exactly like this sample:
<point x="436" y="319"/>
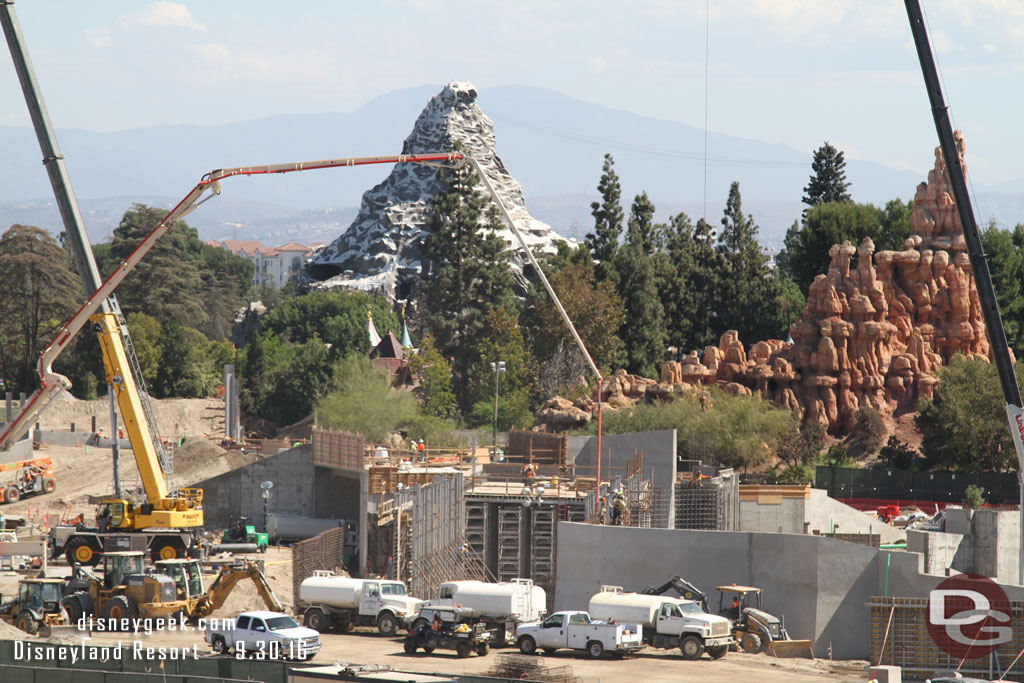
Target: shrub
<point x="973" y="497"/>
<point x="867" y="433"/>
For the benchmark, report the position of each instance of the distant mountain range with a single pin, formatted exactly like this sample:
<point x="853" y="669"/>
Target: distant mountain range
<point x="552" y="144"/>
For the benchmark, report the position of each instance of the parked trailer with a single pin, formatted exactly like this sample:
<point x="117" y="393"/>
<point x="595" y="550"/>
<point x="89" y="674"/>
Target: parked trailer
<point x="341" y="602"/>
<point x="502" y="606"/>
<point x="667" y="622"/>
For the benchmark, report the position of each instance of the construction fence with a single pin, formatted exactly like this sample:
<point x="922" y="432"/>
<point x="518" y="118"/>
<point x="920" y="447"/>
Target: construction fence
<point x="899" y="637"/>
<point x="323" y="552"/>
<point x="908" y="485"/>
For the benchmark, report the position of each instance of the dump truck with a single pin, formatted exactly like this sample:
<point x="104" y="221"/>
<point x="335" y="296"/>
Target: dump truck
<point x="341" y="602"/>
<point x="501" y="606"/>
<point x="667" y="622"/>
<point x="577" y="631"/>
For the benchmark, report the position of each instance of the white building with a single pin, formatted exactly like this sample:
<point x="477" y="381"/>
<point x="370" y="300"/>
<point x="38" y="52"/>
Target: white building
<point x="274" y="265"/>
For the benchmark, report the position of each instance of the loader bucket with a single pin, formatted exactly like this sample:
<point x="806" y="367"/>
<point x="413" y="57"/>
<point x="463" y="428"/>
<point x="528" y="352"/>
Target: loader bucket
<point x="791" y="648"/>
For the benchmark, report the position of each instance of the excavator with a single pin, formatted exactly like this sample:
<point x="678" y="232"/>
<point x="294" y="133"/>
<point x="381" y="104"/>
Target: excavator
<point x="201" y="602"/>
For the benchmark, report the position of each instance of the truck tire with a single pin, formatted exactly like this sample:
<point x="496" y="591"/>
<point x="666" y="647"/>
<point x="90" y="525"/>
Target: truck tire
<point x="410" y="647"/>
<point x="26" y="622"/>
<point x="718" y="652"/>
<point x="315" y="619"/>
<point x="49" y="484"/>
<point x="220" y="646"/>
<point x="78" y="605"/>
<point x="387" y="624"/>
<point x="12" y="494"/>
<point x="691" y="646"/>
<point x="482" y="649"/>
<point x="751" y="643"/>
<point x="83" y="551"/>
<point x="462" y="650"/>
<point x="595" y="649"/>
<point x="121" y="607"/>
<point x="527" y="645"/>
<point x="166" y="548"/>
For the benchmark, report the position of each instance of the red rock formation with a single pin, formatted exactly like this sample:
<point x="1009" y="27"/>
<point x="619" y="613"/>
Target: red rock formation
<point x="870" y="335"/>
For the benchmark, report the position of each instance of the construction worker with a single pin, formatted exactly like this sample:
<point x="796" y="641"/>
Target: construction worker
<point x="529" y="472"/>
<point x="734" y="608"/>
<point x="618" y="508"/>
<point x="438" y="622"/>
<point x="421" y="450"/>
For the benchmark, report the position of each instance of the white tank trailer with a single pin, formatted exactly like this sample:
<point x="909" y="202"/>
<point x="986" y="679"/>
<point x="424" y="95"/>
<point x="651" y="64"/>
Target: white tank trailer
<point x="667" y="622"/>
<point x="340" y="602"/>
<point x="502" y="606"/>
<point x="297" y="528"/>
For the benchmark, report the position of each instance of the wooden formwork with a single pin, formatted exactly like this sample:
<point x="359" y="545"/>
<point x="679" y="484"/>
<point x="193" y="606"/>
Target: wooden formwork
<point x="339" y="450"/>
<point x="387" y="479"/>
<point x="899" y="637"/>
<point x="537" y="447"/>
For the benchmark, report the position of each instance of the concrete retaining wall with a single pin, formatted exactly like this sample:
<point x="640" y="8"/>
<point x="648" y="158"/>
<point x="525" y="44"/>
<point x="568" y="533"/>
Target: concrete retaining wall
<point x="659" y="449"/>
<point x="816" y="514"/>
<point x="238" y="492"/>
<point x="820" y="586"/>
<point x="985" y="542"/>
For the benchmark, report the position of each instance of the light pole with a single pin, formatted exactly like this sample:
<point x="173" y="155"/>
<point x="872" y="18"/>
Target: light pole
<point x="266" y="486"/>
<point x="498" y="368"/>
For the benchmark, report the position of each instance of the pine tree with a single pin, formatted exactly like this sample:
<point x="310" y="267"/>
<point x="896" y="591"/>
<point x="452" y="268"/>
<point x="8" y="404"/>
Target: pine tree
<point x="607" y="216"/>
<point x="828" y="182"/>
<point x="466" y="272"/>
<point x="640" y="287"/>
<point x="746" y="299"/>
<point x="691" y="267"/>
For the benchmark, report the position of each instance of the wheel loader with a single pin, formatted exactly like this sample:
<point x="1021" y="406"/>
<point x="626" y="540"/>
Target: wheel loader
<point x="38" y="606"/>
<point x="756" y="630"/>
<point x="124" y="592"/>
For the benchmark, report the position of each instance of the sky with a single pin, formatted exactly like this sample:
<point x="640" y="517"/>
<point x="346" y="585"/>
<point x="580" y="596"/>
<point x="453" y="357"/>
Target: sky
<point x="797" y="72"/>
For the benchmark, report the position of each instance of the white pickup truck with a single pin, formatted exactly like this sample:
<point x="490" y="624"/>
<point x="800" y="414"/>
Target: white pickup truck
<point x="576" y="631"/>
<point x="267" y="635"/>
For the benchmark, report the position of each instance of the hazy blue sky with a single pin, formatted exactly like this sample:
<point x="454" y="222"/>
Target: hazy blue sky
<point x="789" y="71"/>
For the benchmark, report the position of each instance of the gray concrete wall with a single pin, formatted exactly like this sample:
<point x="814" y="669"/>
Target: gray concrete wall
<point x="818" y="513"/>
<point x="238" y="492"/>
<point x="820" y="586"/>
<point x="985" y="542"/>
<point x="659" y="449"/>
<point x="788" y="516"/>
<point x="335" y="496"/>
<point x="942" y="551"/>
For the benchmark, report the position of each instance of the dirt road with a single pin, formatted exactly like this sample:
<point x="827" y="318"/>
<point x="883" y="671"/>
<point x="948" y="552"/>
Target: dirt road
<point x="365" y="647"/>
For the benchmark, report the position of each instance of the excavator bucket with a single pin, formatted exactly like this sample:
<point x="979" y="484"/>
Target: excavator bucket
<point x="790" y="649"/>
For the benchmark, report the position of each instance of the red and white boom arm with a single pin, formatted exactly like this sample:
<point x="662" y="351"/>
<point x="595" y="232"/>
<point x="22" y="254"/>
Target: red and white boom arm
<point x="51" y="382"/>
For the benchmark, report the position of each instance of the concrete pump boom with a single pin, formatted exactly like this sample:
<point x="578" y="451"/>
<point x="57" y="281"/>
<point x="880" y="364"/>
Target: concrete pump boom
<point x="51" y="382"/>
<point x="975" y="252"/>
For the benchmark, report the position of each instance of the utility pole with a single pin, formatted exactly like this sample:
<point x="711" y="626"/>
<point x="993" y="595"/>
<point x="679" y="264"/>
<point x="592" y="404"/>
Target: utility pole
<point x="498" y="368"/>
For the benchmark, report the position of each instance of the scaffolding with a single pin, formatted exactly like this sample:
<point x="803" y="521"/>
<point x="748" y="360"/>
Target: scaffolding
<point x="645" y="502"/>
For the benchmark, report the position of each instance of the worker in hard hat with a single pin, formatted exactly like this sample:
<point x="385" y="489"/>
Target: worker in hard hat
<point x="529" y="472"/>
<point x="421" y="450"/>
<point x="618" y="507"/>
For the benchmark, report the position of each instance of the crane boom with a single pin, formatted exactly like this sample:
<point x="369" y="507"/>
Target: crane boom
<point x="51" y="382"/>
<point x="975" y="251"/>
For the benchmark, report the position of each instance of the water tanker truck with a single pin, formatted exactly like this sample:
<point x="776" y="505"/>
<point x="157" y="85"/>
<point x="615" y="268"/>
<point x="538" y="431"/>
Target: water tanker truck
<point x="501" y="606"/>
<point x="667" y="622"/>
<point x="340" y="602"/>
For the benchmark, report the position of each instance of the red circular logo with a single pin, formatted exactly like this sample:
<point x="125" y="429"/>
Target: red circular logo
<point x="968" y="616"/>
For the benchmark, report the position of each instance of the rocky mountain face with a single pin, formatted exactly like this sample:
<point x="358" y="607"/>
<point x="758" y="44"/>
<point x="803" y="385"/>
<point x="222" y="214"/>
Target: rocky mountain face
<point x="872" y="334"/>
<point x="380" y="250"/>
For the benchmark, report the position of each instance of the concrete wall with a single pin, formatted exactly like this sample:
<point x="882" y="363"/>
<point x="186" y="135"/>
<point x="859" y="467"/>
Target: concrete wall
<point x="985" y="542"/>
<point x="335" y="496"/>
<point x="819" y="513"/>
<point x="238" y="492"/>
<point x="820" y="586"/>
<point x="659" y="449"/>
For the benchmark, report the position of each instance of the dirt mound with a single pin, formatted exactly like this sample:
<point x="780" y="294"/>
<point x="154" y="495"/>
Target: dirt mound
<point x="176" y="417"/>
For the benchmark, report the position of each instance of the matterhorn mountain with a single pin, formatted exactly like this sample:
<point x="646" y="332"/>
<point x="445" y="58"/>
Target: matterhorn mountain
<point x="380" y="250"/>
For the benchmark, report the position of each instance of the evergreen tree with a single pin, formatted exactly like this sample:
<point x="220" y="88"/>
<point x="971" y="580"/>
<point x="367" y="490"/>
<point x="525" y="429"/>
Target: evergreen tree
<point x="174" y="376"/>
<point x="466" y="273"/>
<point x="643" y="331"/>
<point x="503" y="341"/>
<point x="608" y="217"/>
<point x="690" y="268"/>
<point x="746" y="300"/>
<point x="828" y="182"/>
<point x="1005" y="253"/>
<point x="435" y="380"/>
<point x="255" y="377"/>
